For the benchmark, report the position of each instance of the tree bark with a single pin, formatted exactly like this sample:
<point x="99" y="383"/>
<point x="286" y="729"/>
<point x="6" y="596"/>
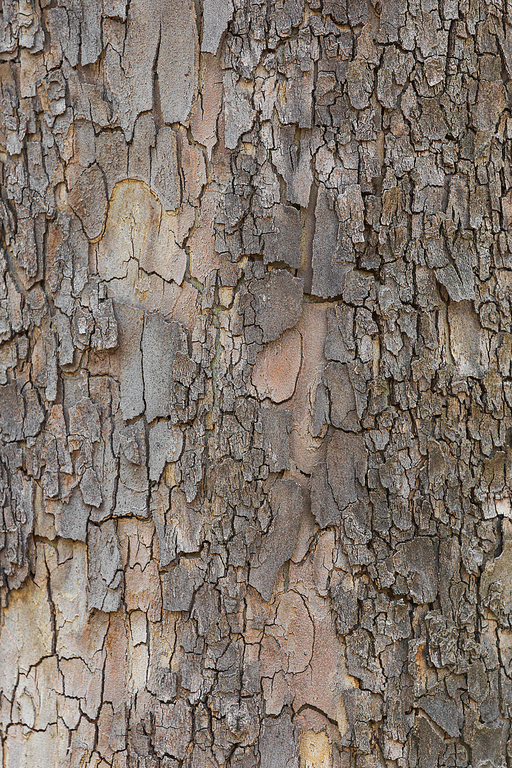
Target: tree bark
<point x="255" y="383"/>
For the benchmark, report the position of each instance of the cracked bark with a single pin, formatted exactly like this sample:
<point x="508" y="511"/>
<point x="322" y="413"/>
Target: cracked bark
<point x="255" y="384"/>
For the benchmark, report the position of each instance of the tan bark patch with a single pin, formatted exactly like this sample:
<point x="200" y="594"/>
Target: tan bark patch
<point x="139" y="229"/>
<point x="315" y="750"/>
<point x="277" y="367"/>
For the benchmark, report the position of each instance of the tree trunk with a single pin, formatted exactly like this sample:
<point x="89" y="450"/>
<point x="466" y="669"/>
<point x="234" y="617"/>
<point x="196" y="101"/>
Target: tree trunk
<point x="255" y="383"/>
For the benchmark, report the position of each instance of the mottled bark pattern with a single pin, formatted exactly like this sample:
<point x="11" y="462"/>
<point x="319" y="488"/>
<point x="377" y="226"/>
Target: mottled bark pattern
<point x="256" y="383"/>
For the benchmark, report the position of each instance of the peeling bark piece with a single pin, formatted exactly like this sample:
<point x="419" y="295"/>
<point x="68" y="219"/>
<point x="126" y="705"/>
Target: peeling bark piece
<point x="165" y="445"/>
<point x="132" y="497"/>
<point x="104" y="568"/>
<point x="88" y="199"/>
<point x="44" y="360"/>
<point x="465" y="260"/>
<point x="112" y="154"/>
<point x="277" y="367"/>
<point x="277" y="299"/>
<point x="294" y="164"/>
<point x="288" y="504"/>
<point x="360" y="84"/>
<point x="278" y="742"/>
<point x="164" y="169"/>
<point x="88" y="104"/>
<point x="71" y="516"/>
<point x="138" y="228"/>
<point x="34" y="413"/>
<point x="192" y="463"/>
<point x="216" y="16"/>
<point x="496" y="586"/>
<point x="442" y="710"/>
<point x="90" y="488"/>
<point x="130" y="324"/>
<point x="90" y="31"/>
<point x="337" y="9"/>
<point x="458" y="201"/>
<point x="459" y="286"/>
<point x="115" y="9"/>
<point x="477" y="682"/>
<point x="465" y="339"/>
<point x="331" y="263"/>
<point x="430" y="745"/>
<point x="178" y="524"/>
<point x="320" y="413"/>
<point x="295" y="632"/>
<point x="338" y="481"/>
<point x="238" y="110"/>
<point x="489" y="105"/>
<point x="129" y="70"/>
<point x="276" y="443"/>
<point x="206" y="110"/>
<point x="172" y="730"/>
<point x="105" y="335"/>
<point x="139" y="152"/>
<point x="12" y="411"/>
<point x="284" y="244"/>
<point x="343" y="411"/>
<point x="8" y="360"/>
<point x="84" y="420"/>
<point x="339" y="339"/>
<point x="180" y="584"/>
<point x="362" y="664"/>
<point x="162" y="683"/>
<point x="346" y="607"/>
<point x="416" y="560"/>
<point x="176" y="65"/>
<point x="506" y="210"/>
<point x="350" y="210"/>
<point x="16" y="523"/>
<point x="488" y="744"/>
<point x="160" y="342"/>
<point x="206" y="608"/>
<point x="361" y="708"/>
<point x="294" y="97"/>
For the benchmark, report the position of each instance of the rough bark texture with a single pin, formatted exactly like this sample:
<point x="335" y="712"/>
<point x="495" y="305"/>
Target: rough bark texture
<point x="256" y="383"/>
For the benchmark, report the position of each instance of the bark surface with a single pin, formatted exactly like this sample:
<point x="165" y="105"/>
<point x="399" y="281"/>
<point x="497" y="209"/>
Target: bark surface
<point x="256" y="383"/>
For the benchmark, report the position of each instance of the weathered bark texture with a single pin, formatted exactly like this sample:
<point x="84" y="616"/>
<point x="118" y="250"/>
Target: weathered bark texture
<point x="256" y="383"/>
